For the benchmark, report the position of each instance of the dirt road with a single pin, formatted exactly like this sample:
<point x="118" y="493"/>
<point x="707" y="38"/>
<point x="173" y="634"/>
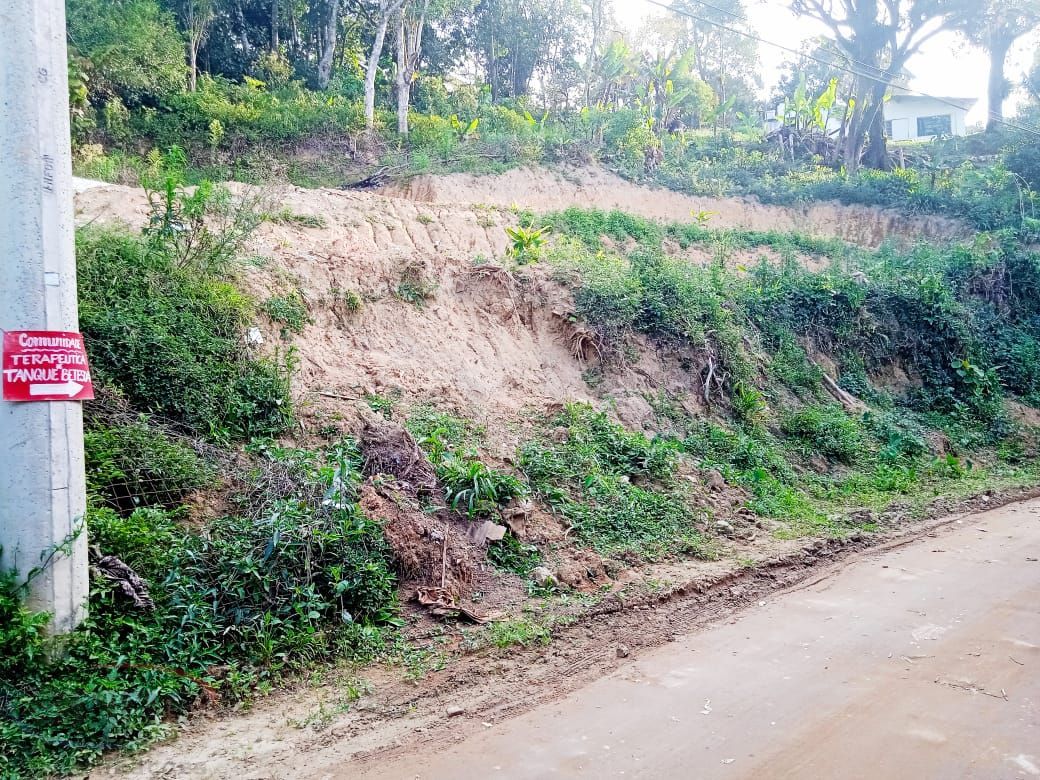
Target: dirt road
<point x="922" y="662"/>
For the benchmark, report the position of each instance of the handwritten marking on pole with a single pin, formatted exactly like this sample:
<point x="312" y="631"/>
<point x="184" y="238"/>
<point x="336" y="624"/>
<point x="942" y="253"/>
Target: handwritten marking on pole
<point x="48" y="173"/>
<point x="43" y="365"/>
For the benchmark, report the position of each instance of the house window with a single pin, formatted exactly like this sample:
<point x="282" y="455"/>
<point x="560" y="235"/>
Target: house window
<point x="934" y="125"/>
<point x="888" y="128"/>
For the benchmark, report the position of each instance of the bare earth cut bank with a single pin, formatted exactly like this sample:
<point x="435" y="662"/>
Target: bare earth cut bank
<point x="401" y="304"/>
<point x="544" y="190"/>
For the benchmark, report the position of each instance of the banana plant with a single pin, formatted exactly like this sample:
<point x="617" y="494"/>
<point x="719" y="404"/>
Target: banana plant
<point x="465" y="132"/>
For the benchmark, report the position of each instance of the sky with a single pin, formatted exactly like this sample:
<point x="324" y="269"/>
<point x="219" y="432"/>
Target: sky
<point x="945" y="66"/>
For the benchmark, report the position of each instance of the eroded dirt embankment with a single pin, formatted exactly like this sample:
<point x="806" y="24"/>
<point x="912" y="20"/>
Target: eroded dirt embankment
<point x="440" y="320"/>
<point x="543" y="190"/>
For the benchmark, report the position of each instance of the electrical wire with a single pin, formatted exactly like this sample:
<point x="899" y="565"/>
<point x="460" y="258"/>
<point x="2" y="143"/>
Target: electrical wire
<point x="846" y="68"/>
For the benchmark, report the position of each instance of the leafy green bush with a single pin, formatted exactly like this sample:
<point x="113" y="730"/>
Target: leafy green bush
<point x="512" y="555"/>
<point x="475" y="487"/>
<point x="134" y="49"/>
<point x="664" y="297"/>
<point x="138" y="465"/>
<point x="289" y="310"/>
<point x="590" y="476"/>
<point x="301" y="578"/>
<point x="825" y="430"/>
<point x="172" y="340"/>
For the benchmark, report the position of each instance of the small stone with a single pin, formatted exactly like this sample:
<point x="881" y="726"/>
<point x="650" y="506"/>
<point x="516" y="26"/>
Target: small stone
<point x="543" y="577"/>
<point x="724" y="528"/>
<point x="454" y="711"/>
<point x="716" y="481"/>
<point x="623" y="651"/>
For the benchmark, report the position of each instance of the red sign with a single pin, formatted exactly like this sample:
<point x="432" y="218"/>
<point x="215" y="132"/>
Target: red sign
<point x="42" y="365"/>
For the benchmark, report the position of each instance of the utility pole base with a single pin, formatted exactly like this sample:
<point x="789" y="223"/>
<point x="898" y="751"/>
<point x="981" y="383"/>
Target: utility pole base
<point x="42" y="483"/>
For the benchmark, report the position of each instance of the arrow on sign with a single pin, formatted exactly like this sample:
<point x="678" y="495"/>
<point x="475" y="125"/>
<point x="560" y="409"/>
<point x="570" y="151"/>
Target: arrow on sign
<point x="69" y="388"/>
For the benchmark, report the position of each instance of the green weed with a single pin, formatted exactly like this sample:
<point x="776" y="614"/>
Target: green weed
<point x="289" y="310"/>
<point x="824" y="430"/>
<point x="298" y="578"/>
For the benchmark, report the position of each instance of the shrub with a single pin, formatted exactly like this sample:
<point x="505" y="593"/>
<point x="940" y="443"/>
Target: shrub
<point x="134" y="48"/>
<point x="825" y="430"/>
<point x="138" y="465"/>
<point x="478" y="489"/>
<point x="171" y="341"/>
<point x="590" y="478"/>
<point x="289" y="310"/>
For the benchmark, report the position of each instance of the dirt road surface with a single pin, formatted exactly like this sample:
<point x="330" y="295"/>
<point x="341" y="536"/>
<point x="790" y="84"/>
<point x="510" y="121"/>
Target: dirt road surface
<point x="919" y="662"/>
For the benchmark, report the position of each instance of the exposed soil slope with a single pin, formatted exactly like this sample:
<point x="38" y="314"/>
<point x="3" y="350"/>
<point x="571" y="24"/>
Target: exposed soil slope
<point x="544" y="190"/>
<point x="441" y="321"/>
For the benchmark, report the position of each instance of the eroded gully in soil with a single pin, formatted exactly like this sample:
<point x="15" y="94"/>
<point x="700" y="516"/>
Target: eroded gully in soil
<point x="920" y="661"/>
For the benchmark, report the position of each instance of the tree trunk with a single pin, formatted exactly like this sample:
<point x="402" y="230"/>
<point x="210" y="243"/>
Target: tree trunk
<point x="877" y="145"/>
<point x="997" y="88"/>
<point x="328" y="50"/>
<point x="275" y="42"/>
<point x="492" y="58"/>
<point x="371" y="69"/>
<point x="193" y="66"/>
<point x="403" y="76"/>
<point x="243" y="31"/>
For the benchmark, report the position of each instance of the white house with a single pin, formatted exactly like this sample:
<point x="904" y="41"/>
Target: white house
<point x="918" y="118"/>
<point x="907" y="117"/>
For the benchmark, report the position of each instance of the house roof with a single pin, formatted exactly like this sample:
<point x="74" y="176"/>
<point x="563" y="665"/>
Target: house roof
<point x="965" y="103"/>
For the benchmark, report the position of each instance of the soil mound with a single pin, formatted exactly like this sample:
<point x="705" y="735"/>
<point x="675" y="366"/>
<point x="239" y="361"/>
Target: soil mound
<point x="543" y="190"/>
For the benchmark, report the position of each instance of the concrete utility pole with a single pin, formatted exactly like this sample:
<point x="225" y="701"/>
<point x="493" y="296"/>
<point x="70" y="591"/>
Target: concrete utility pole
<point x="42" y="484"/>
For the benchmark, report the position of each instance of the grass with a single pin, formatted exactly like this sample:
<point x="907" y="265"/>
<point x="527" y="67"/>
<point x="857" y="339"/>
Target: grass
<point x="289" y="217"/>
<point x="616" y="489"/>
<point x="288" y="310"/>
<point x="520" y="631"/>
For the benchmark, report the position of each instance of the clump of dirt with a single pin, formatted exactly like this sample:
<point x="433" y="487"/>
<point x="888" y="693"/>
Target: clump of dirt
<point x="428" y="550"/>
<point x="390" y="450"/>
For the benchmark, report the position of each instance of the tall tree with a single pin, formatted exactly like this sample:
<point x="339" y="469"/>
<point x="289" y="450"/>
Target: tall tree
<point x="725" y="57"/>
<point x="135" y="50"/>
<point x="384" y="11"/>
<point x="411" y="22"/>
<point x="517" y="40"/>
<point x="601" y="19"/>
<point x="995" y="25"/>
<point x="197" y="17"/>
<point x="328" y="43"/>
<point x="275" y="43"/>
<point x="1032" y="79"/>
<point x="878" y="37"/>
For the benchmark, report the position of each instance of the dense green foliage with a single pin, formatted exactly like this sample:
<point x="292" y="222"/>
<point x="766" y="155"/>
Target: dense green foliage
<point x="962" y="320"/>
<point x="959" y="324"/>
<point x="170" y="340"/>
<point x="135" y="465"/>
<point x="130" y="53"/>
<point x="616" y="489"/>
<point x="298" y="577"/>
<point x="294" y="573"/>
<point x="663" y="105"/>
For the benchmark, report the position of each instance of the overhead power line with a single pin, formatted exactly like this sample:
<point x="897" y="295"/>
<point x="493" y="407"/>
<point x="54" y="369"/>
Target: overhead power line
<point x="879" y="74"/>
